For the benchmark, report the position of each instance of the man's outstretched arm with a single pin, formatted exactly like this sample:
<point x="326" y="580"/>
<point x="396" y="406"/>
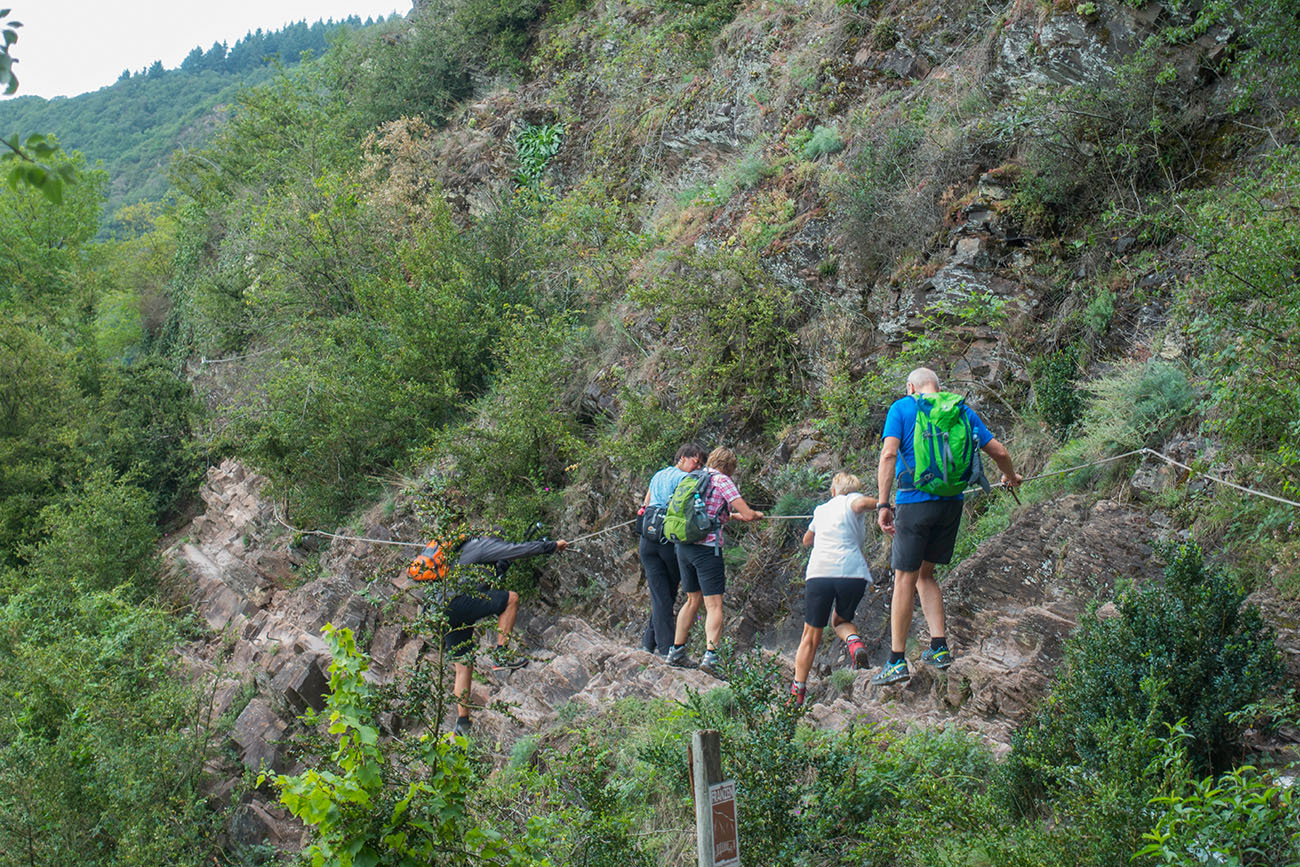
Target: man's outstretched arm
<point x="1002" y="458"/>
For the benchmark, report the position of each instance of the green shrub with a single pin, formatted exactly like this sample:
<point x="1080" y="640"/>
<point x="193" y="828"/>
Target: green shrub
<point x="408" y="67"/>
<point x="535" y="145"/>
<point x="100" y="537"/>
<point x="1242" y="305"/>
<point x="1055" y="393"/>
<point x="699" y="19"/>
<point x="1133" y="407"/>
<point x="513" y="456"/>
<point x="388" y="803"/>
<point x="146" y="421"/>
<point x="604" y="834"/>
<point x="43" y="409"/>
<point x="102" y="745"/>
<point x="1186" y="648"/>
<point x="802" y="488"/>
<point x="1243" y="817"/>
<point x="884" y="34"/>
<point x="824" y="140"/>
<point x="739" y="326"/>
<point x="1096" y="144"/>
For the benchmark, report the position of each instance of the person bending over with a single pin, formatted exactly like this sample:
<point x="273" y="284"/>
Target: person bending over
<point x="491" y="557"/>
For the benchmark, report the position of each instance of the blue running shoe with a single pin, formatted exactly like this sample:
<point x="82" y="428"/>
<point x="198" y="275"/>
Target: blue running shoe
<point x="940" y="659"/>
<point x="893" y="672"/>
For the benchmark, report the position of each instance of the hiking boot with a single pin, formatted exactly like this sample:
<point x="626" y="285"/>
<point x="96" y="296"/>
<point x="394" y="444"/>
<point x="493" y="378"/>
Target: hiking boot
<point x="677" y="656"/>
<point x="858" y="653"/>
<point x="709" y="664"/>
<point x="893" y="672"/>
<point x="505" y="659"/>
<point x="797" y="695"/>
<point x="940" y="659"/>
<point x="462" y="726"/>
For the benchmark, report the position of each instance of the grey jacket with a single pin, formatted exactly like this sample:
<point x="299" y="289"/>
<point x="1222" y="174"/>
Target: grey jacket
<point x="499" y="553"/>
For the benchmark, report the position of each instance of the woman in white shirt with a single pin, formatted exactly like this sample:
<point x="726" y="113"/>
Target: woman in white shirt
<point x="837" y="576"/>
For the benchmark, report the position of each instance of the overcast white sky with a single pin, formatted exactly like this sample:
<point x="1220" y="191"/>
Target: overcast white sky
<point x="67" y="47"/>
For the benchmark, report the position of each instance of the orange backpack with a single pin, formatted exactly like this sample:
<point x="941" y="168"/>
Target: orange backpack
<point x="432" y="563"/>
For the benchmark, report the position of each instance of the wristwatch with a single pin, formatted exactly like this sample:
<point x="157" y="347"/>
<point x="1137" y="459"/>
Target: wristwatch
<point x="880" y="506"/>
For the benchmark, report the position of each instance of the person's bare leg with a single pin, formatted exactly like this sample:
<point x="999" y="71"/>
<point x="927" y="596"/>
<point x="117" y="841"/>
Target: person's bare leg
<point x="808" y="644"/>
<point x="931" y="595"/>
<point x="506" y="620"/>
<point x="686" y="616"/>
<point x="843" y="628"/>
<point x="712" y="621"/>
<point x="464" y="676"/>
<point x="901" y="608"/>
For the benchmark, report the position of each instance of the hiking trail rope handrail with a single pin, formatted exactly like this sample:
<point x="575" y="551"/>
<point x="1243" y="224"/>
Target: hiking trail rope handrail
<point x="276" y="511"/>
<point x="1238" y="487"/>
<point x="573" y="542"/>
<point x="1110" y="460"/>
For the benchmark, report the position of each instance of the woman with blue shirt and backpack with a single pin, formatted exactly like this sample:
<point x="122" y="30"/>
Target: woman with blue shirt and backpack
<point x="658" y="555"/>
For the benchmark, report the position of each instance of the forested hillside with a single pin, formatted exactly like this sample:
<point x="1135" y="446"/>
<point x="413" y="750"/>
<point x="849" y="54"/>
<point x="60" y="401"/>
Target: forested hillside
<point x="489" y="265"/>
<point x="135" y="124"/>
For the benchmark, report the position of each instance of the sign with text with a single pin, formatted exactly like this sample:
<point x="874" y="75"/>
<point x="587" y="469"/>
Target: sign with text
<point x="726" y="840"/>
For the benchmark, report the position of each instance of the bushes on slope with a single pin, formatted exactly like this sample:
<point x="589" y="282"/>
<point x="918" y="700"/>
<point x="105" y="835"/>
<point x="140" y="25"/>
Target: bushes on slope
<point x="1185" y="649"/>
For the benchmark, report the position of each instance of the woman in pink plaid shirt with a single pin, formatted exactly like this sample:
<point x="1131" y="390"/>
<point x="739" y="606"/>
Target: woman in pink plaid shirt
<point x="703" y="574"/>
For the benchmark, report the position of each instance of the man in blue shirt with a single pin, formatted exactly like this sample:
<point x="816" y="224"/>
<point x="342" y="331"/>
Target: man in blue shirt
<point x="924" y="526"/>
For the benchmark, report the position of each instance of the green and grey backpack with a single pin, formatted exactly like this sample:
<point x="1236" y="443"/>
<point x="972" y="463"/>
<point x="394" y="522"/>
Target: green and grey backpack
<point x="686" y="519"/>
<point x="943" y="441"/>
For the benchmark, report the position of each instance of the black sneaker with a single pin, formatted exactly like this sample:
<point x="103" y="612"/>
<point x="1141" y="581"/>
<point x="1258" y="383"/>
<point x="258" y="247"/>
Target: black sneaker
<point x="505" y="659"/>
<point x="462" y="726"/>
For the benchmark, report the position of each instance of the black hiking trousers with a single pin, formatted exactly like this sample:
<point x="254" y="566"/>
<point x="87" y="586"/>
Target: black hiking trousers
<point x="662" y="578"/>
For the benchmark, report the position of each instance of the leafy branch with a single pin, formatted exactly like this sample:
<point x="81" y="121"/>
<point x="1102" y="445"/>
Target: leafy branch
<point x="23" y="163"/>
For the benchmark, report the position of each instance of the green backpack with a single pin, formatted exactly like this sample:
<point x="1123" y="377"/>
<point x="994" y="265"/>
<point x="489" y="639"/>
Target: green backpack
<point x="686" y="519"/>
<point x="943" y="441"/>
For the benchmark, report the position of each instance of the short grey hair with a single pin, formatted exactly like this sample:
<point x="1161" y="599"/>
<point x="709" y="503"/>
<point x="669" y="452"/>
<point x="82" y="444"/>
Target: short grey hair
<point x="922" y="377"/>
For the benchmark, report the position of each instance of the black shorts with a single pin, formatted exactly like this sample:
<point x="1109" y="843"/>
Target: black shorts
<point x="819" y="594"/>
<point x="702" y="569"/>
<point x="463" y="612"/>
<point x="925" y="531"/>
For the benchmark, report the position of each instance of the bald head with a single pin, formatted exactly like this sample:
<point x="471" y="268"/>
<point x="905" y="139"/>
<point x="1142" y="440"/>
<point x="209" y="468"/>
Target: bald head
<point x="923" y="379"/>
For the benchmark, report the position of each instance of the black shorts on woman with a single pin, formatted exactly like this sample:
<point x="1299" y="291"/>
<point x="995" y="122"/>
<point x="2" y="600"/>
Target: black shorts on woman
<point x="702" y="569"/>
<point x="820" y="595"/>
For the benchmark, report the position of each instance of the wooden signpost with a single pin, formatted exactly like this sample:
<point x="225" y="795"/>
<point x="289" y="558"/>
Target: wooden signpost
<point x="717" y="837"/>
